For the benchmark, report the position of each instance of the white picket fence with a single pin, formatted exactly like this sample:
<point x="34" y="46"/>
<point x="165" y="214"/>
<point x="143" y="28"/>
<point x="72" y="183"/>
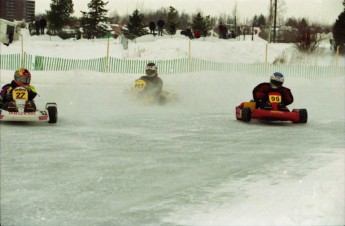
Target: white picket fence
<point x="173" y="66"/>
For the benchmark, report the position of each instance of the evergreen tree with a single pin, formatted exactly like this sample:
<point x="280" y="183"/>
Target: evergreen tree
<point x="255" y="21"/>
<point x="92" y="21"/>
<point x="302" y="26"/>
<point x="201" y="23"/>
<point x="292" y="22"/>
<point x="59" y="14"/>
<point x="261" y="20"/>
<point x="339" y="32"/>
<point x="172" y="20"/>
<point x="135" y="26"/>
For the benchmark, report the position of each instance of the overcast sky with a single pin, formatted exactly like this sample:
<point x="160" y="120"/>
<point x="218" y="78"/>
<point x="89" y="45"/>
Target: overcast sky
<point x="324" y="11"/>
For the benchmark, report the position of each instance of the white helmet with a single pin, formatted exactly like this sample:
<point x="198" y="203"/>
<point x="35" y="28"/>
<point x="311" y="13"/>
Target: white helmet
<point x="277" y="80"/>
<point x="151" y="69"/>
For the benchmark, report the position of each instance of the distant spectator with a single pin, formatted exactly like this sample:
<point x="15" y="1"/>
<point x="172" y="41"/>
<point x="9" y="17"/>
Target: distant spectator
<point x="43" y="24"/>
<point x="197" y="33"/>
<point x="229" y="35"/>
<point x="188" y="33"/>
<point x="232" y="34"/>
<point x="124" y="42"/>
<point x="31" y="27"/>
<point x="37" y="26"/>
<point x="222" y="31"/>
<point x="331" y="40"/>
<point x="305" y="39"/>
<point x="10" y="38"/>
<point x="172" y="29"/>
<point x="160" y="24"/>
<point x="152" y="27"/>
<point x="78" y="36"/>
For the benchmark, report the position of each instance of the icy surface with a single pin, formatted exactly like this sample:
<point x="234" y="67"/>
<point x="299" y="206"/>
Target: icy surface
<point x="110" y="162"/>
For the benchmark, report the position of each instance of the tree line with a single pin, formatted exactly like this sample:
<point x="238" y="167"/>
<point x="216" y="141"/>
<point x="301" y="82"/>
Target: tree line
<point x="92" y="22"/>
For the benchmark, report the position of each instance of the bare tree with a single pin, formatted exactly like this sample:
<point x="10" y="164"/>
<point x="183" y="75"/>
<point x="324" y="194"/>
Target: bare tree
<point x="281" y="8"/>
<point x="235" y="17"/>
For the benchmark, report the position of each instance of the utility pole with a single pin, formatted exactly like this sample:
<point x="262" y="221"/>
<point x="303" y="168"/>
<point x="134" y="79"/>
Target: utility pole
<point x="270" y="22"/>
<point x="275" y="21"/>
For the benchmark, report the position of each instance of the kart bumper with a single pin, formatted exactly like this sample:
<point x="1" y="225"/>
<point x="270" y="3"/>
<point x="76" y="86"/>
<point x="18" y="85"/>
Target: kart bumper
<point x="24" y="116"/>
<point x="275" y="115"/>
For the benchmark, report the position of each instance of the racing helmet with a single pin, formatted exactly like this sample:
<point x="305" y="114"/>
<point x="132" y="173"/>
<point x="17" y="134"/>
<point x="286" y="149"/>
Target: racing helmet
<point x="151" y="69"/>
<point x="22" y="76"/>
<point x="277" y="80"/>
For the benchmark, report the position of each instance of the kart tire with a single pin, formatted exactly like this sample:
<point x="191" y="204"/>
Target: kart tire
<point x="246" y="114"/>
<point x="53" y="114"/>
<point x="303" y="115"/>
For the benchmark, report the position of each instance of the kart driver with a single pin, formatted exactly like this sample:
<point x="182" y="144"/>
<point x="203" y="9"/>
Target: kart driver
<point x="154" y="84"/>
<point x="22" y="78"/>
<point x="261" y="91"/>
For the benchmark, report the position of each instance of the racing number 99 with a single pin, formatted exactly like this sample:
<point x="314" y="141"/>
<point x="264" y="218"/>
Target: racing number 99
<point x="275" y="99"/>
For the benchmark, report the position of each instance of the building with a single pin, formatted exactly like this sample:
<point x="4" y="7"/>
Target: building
<point x="17" y="10"/>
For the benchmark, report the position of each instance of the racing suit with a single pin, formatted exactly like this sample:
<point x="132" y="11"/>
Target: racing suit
<point x="261" y="91"/>
<point x="6" y="93"/>
<point x="154" y="86"/>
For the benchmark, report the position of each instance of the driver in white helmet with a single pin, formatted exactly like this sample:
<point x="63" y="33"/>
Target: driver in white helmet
<point x="261" y="91"/>
<point x="153" y="84"/>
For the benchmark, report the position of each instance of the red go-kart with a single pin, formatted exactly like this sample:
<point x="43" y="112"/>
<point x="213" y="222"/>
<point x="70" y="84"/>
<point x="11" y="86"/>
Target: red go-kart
<point x="247" y="111"/>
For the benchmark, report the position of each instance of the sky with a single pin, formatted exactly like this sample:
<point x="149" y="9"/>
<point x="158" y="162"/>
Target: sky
<point x="111" y="161"/>
<point x="324" y="11"/>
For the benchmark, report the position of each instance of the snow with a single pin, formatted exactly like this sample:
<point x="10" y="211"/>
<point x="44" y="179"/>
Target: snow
<point x="110" y="162"/>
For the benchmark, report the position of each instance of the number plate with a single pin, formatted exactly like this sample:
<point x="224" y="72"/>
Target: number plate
<point x="20" y="94"/>
<point x="275" y="98"/>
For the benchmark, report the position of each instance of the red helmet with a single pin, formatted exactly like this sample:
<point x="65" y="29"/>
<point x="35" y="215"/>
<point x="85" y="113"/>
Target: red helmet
<point x="22" y="76"/>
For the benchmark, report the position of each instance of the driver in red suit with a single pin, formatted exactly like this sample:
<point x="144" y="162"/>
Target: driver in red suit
<point x="261" y="91"/>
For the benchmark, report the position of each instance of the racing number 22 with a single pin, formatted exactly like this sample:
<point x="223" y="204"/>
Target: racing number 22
<point x="20" y="94"/>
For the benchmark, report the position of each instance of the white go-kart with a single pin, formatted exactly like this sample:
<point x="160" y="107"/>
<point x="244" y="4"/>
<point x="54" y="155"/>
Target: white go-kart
<point x="22" y="109"/>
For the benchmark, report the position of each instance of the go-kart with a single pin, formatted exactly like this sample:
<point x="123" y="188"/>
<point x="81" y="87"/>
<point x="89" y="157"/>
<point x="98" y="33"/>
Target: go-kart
<point x="136" y="93"/>
<point x="22" y="109"/>
<point x="272" y="112"/>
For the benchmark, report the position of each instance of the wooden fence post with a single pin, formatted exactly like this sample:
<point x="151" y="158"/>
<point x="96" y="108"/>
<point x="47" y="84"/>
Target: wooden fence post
<point x="22" y="46"/>
<point x="107" y="59"/>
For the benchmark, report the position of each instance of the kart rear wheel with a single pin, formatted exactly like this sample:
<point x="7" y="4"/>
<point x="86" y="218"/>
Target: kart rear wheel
<point x="246" y="114"/>
<point x="53" y="114"/>
<point x="303" y="115"/>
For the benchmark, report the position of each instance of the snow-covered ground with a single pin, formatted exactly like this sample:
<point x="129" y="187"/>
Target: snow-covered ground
<point x="110" y="162"/>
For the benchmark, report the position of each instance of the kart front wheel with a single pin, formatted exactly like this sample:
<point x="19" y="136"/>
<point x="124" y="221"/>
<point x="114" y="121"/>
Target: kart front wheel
<point x="246" y="114"/>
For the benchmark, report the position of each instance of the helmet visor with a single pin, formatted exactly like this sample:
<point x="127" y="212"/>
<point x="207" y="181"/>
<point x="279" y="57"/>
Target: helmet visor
<point x="150" y="72"/>
<point x="23" y="79"/>
<point x="276" y="83"/>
